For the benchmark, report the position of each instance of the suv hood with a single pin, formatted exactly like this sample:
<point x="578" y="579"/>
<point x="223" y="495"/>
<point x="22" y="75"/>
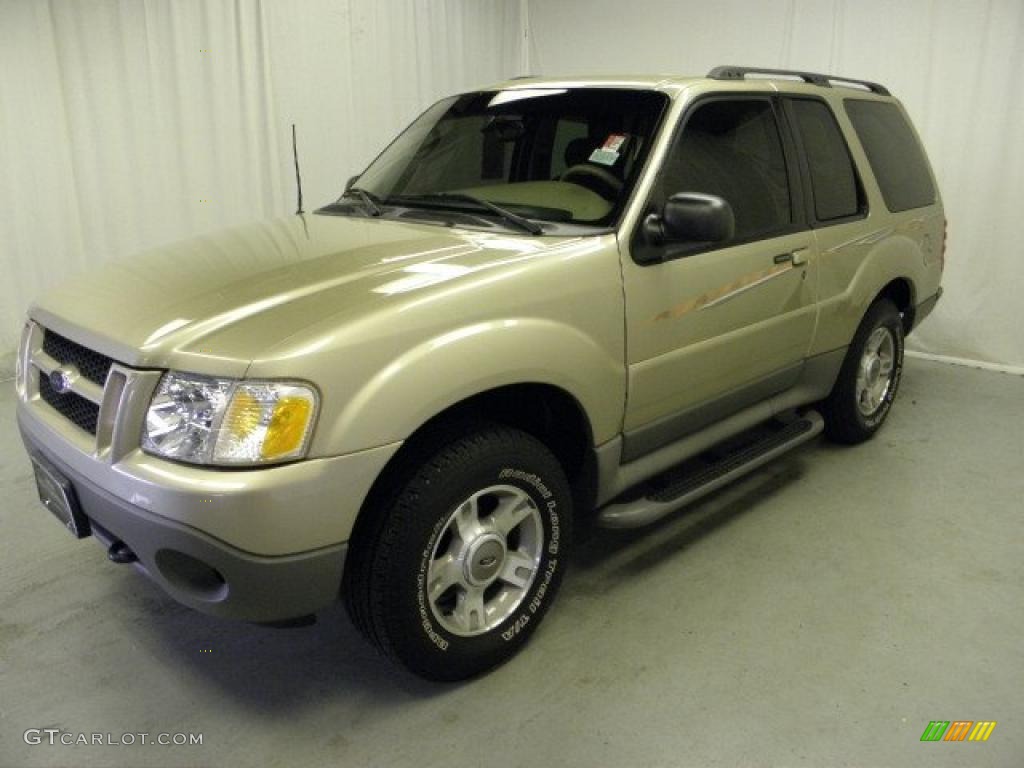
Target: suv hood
<point x="212" y="304"/>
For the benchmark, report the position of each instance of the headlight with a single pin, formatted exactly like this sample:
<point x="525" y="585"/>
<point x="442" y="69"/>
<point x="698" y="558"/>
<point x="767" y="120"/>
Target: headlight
<point x="204" y="420"/>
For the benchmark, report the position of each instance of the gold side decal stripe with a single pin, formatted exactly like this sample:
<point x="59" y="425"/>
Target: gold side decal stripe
<point x="723" y="293"/>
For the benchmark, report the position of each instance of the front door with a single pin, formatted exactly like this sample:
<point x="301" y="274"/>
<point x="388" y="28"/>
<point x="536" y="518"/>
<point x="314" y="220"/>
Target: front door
<point x="714" y="328"/>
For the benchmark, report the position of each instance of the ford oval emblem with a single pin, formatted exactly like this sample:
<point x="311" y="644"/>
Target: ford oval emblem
<point x="61" y="380"/>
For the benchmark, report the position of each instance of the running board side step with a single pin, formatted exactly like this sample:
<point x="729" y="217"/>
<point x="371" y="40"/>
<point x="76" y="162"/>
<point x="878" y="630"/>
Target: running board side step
<point x="685" y="488"/>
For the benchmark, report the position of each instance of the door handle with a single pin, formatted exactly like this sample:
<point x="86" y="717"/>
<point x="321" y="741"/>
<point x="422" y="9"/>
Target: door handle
<point x="797" y="257"/>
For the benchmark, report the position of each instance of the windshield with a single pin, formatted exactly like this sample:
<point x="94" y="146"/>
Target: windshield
<point x="546" y="154"/>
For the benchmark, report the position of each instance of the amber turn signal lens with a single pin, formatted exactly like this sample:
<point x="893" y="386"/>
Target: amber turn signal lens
<point x="288" y="426"/>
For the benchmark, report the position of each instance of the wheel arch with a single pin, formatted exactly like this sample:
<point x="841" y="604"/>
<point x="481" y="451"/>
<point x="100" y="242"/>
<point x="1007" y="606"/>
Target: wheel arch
<point x="900" y="291"/>
<point x="547" y="412"/>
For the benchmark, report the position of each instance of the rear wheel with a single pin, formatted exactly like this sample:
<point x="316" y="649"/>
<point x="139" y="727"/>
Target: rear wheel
<point x="460" y="562"/>
<point x="863" y="394"/>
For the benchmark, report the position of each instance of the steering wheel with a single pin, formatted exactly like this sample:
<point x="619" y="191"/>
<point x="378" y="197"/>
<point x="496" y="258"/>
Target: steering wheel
<point x="596" y="179"/>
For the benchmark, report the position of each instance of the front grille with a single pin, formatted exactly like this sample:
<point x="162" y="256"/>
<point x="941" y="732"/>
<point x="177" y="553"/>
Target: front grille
<point x="92" y="365"/>
<point x="81" y="412"/>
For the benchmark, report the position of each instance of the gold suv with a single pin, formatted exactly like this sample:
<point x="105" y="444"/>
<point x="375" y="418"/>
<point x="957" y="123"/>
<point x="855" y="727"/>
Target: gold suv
<point x="543" y="302"/>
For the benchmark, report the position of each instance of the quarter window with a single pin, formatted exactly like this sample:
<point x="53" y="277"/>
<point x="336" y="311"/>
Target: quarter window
<point x="895" y="155"/>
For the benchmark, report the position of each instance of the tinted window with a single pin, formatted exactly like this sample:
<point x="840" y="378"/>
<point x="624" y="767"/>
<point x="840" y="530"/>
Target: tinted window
<point x="514" y="148"/>
<point x="833" y="178"/>
<point x="732" y="149"/>
<point x="570" y="146"/>
<point x="896" y="158"/>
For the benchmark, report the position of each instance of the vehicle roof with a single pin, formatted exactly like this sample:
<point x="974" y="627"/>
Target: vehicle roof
<point x="675" y="83"/>
<point x="651" y="81"/>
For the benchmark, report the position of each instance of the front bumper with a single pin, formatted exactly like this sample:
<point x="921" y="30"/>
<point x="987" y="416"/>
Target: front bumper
<point x="260" y="545"/>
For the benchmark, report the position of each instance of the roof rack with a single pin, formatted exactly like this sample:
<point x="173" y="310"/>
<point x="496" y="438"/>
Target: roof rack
<point x="739" y="73"/>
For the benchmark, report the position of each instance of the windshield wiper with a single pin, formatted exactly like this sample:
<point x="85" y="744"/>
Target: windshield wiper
<point x="370" y="201"/>
<point x="515" y="219"/>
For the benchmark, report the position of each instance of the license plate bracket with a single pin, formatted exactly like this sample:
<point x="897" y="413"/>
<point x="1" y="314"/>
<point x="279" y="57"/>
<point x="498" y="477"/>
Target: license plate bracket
<point x="58" y="495"/>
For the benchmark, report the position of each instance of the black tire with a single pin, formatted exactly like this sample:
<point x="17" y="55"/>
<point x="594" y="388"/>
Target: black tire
<point x="402" y="531"/>
<point x="844" y="410"/>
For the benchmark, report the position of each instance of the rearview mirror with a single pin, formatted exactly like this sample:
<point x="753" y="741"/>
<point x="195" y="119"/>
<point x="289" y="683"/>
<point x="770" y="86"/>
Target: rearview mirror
<point x="352" y="180"/>
<point x="507" y="128"/>
<point x="691" y="217"/>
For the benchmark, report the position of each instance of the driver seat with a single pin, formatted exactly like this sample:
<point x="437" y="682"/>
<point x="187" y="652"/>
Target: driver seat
<point x="578" y="151"/>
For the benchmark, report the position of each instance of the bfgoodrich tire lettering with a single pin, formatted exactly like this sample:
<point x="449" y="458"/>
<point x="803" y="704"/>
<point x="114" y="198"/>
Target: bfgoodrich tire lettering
<point x="487" y="518"/>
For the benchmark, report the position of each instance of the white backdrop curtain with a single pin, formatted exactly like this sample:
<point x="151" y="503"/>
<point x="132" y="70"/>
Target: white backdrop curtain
<point x="127" y="124"/>
<point x="957" y="65"/>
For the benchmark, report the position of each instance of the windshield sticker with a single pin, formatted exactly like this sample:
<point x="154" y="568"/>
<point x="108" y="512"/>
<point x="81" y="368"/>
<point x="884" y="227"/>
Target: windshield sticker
<point x="608" y="153"/>
<point x="604" y="156"/>
<point x="614" y="142"/>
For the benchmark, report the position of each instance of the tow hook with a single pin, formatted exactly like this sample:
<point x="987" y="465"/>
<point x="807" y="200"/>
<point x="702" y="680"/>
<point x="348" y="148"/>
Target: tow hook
<point x="121" y="553"/>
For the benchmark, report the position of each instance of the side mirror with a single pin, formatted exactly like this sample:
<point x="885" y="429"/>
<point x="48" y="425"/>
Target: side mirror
<point x="690" y="217"/>
<point x="352" y="180"/>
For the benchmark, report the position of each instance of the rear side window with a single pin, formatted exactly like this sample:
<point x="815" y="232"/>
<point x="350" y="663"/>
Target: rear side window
<point x="837" y="193"/>
<point x="896" y="157"/>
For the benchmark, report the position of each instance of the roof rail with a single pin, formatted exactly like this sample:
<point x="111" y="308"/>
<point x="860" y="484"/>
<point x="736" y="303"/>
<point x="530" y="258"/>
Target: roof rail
<point x="739" y="73"/>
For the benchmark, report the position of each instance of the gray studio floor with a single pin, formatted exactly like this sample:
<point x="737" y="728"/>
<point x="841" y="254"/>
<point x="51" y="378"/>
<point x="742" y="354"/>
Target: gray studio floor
<point x="819" y="613"/>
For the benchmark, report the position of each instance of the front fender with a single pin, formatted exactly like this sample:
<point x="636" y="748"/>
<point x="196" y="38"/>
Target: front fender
<point x="445" y="370"/>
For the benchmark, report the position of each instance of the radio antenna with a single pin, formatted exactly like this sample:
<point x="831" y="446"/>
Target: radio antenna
<point x="298" y="177"/>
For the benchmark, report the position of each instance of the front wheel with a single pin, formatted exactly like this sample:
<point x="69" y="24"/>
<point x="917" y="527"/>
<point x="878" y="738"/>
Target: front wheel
<point x="864" y="392"/>
<point x="458" y="566"/>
